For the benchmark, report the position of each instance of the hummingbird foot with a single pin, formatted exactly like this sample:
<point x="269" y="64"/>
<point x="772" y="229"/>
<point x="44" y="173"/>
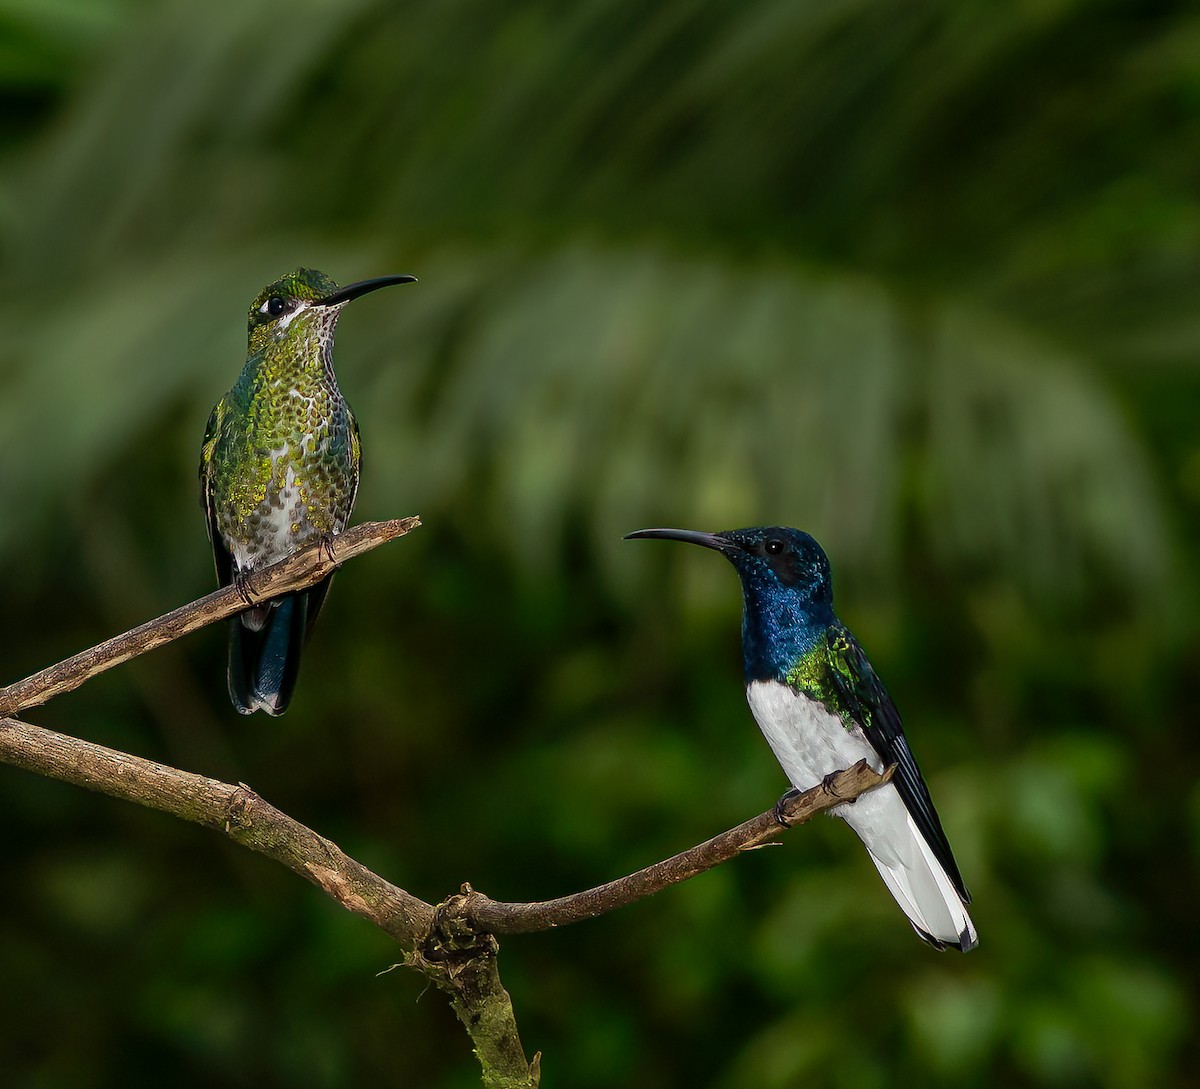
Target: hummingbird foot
<point x="788" y="796"/>
<point x="241" y="583"/>
<point x="326" y="546"/>
<point x="830" y="786"/>
<point x="254" y="616"/>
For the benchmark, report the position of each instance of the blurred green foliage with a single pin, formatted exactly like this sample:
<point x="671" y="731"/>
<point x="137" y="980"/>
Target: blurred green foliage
<point x="920" y="279"/>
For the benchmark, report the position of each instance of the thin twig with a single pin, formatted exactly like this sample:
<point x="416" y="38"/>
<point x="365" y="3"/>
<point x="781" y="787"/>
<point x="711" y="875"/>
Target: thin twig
<point x="302" y="569"/>
<point x="480" y="913"/>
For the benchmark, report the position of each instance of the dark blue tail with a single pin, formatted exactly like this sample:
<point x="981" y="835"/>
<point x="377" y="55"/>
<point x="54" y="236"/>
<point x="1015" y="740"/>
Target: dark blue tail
<point x="264" y="654"/>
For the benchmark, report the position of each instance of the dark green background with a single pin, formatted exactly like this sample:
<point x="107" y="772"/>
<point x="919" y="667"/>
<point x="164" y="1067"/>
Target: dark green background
<point x="919" y="278"/>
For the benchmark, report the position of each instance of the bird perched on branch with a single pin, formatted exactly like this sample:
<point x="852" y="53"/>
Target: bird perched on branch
<point x="278" y="470"/>
<point x="821" y="708"/>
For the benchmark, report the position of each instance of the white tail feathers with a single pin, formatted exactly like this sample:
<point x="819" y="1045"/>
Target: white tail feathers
<point x="920" y="885"/>
<point x="809" y="740"/>
<point x="909" y="869"/>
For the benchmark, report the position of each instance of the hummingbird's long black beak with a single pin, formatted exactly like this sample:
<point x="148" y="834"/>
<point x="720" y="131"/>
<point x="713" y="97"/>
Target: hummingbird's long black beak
<point x="363" y="287"/>
<point x="691" y="536"/>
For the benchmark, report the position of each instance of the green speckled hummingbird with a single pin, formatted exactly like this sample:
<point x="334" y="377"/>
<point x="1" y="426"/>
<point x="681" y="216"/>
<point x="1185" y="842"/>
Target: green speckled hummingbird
<point x="278" y="470"/>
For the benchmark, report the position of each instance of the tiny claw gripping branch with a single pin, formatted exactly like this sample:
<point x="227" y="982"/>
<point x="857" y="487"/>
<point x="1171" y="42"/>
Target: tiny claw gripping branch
<point x="241" y="583"/>
<point x="837" y="788"/>
<point x="780" y="809"/>
<point x="830" y="782"/>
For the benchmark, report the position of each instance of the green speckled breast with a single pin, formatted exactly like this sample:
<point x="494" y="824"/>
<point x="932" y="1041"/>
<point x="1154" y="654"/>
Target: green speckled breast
<point x="282" y="453"/>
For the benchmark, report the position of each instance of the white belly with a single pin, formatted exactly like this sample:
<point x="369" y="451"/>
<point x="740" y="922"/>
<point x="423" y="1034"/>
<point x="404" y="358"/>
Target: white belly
<point x="809" y="742"/>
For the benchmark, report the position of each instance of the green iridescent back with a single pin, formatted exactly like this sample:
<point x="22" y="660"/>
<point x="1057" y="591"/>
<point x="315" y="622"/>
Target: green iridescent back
<point x="835" y="673"/>
<point x="813" y="674"/>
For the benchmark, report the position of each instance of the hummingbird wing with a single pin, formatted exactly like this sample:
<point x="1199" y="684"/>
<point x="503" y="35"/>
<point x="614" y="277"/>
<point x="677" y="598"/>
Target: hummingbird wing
<point x="355" y="462"/>
<point x="222" y="557"/>
<point x="862" y="693"/>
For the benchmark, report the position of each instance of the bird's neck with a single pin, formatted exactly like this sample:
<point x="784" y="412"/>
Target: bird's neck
<point x="301" y="359"/>
<point x="779" y="630"/>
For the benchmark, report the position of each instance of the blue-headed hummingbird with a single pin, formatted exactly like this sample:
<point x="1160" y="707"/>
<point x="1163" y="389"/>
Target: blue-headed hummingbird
<point x="821" y="707"/>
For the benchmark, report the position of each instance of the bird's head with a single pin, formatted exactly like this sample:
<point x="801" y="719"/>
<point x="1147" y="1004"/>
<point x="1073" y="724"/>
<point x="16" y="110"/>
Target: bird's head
<point x="770" y="559"/>
<point x="293" y="303"/>
<point x="786" y="587"/>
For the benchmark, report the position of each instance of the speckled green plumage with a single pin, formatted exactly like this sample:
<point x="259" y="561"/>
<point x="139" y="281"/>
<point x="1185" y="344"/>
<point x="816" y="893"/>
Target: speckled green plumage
<point x="281" y="455"/>
<point x="279" y="468"/>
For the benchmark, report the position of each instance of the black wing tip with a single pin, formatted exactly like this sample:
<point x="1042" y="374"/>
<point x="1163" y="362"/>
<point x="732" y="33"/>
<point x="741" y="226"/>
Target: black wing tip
<point x="967" y="940"/>
<point x="914" y="792"/>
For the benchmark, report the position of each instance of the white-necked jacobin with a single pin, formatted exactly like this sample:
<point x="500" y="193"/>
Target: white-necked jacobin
<point x="821" y="708"/>
<point x="278" y="470"/>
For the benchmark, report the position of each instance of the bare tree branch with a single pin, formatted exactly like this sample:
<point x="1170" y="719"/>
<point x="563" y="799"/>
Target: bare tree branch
<point x="302" y="569"/>
<point x="480" y="913"/>
<point x="453" y="944"/>
<point x="467" y="972"/>
<point x="235" y="810"/>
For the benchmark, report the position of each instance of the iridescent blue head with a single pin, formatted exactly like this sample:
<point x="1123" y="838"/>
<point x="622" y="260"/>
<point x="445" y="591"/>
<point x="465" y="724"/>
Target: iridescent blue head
<point x="786" y="588"/>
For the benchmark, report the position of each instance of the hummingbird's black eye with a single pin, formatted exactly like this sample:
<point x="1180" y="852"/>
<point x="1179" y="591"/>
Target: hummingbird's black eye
<point x="773" y="546"/>
<point x="275" y="306"/>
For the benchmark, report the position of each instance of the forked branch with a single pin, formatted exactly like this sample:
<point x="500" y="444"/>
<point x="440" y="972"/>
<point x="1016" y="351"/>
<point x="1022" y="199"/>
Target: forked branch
<point x="452" y="943"/>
